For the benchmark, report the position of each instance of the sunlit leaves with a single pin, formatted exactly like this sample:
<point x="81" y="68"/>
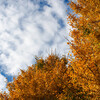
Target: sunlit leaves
<point x="85" y="45"/>
<point x="46" y="79"/>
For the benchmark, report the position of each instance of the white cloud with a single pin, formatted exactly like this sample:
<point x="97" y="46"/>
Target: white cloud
<point x="3" y="82"/>
<point x="73" y="0"/>
<point x="25" y="32"/>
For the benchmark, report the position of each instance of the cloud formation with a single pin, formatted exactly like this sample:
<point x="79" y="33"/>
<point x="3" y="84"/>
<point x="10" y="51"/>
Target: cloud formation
<point x="29" y="28"/>
<point x="3" y="82"/>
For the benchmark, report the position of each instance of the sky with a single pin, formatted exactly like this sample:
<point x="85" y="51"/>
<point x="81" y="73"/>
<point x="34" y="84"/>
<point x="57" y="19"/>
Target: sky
<point x="30" y="28"/>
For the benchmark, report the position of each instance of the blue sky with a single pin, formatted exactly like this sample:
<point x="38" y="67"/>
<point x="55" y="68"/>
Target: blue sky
<point x="30" y="28"/>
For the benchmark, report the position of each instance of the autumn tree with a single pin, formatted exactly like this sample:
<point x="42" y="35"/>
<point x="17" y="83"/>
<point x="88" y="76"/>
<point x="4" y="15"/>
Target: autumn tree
<point x="3" y="96"/>
<point x="85" y="46"/>
<point x="48" y="79"/>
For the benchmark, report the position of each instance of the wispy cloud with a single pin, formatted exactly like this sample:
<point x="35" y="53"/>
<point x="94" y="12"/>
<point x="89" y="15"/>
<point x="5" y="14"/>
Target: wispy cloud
<point x="29" y="28"/>
<point x="3" y="82"/>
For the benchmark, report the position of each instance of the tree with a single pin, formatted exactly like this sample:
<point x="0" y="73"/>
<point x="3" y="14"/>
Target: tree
<point x="3" y="96"/>
<point x="86" y="45"/>
<point x="48" y="79"/>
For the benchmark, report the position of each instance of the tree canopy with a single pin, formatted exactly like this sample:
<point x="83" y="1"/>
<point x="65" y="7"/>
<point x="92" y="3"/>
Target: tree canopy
<point x="86" y="44"/>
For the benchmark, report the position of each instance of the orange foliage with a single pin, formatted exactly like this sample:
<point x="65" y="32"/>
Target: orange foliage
<point x="3" y="96"/>
<point x="86" y="45"/>
<point x="48" y="79"/>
